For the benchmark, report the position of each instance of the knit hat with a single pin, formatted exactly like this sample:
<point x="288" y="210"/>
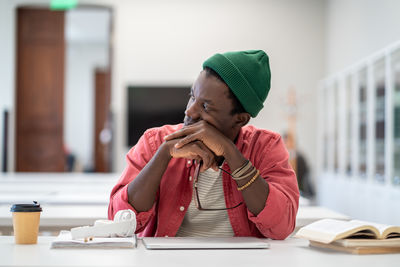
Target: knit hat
<point x="247" y="74"/>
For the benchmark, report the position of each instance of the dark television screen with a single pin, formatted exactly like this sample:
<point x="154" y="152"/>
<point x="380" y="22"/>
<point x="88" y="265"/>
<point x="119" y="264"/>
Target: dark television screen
<point x="151" y="106"/>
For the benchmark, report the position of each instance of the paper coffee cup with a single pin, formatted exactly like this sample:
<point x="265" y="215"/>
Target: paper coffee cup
<point x="26" y="218"/>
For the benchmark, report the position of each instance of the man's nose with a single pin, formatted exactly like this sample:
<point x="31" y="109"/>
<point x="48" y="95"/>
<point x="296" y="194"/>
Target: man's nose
<point x="193" y="111"/>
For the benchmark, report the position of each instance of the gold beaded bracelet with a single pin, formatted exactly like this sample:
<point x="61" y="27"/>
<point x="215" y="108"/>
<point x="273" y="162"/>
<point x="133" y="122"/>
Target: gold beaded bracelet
<point x="249" y="182"/>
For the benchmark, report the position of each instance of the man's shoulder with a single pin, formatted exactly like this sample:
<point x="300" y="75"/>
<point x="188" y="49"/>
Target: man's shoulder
<point x="252" y="132"/>
<point x="254" y="141"/>
<point x="163" y="130"/>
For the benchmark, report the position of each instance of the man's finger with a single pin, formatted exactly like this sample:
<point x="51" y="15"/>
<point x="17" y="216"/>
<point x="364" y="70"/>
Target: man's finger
<point x="214" y="166"/>
<point x="186" y="130"/>
<point x="204" y="155"/>
<point x="186" y="140"/>
<point x="207" y="155"/>
<point x="177" y="134"/>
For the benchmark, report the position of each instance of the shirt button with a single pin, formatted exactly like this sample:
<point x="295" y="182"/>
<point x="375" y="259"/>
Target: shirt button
<point x="189" y="162"/>
<point x="182" y="208"/>
<point x="190" y="178"/>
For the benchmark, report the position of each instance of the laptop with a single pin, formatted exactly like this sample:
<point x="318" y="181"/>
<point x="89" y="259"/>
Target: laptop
<point x="205" y="243"/>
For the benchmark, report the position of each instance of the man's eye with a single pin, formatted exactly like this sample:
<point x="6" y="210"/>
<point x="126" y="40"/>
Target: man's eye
<point x="205" y="106"/>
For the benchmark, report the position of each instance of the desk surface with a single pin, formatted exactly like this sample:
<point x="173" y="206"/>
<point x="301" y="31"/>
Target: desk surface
<point x="57" y="188"/>
<point x="291" y="252"/>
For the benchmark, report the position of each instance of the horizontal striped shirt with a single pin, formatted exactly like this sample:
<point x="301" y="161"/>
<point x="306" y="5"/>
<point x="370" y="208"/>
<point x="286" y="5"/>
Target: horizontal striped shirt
<point x="201" y="223"/>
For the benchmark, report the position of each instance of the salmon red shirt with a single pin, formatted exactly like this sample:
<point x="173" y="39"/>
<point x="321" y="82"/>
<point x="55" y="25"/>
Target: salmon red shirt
<point x="265" y="150"/>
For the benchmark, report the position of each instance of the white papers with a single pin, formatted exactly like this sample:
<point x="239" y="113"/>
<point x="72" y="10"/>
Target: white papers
<point x="64" y="240"/>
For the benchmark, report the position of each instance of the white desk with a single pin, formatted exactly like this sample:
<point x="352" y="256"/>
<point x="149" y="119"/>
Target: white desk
<point x="291" y="252"/>
<point x="57" y="188"/>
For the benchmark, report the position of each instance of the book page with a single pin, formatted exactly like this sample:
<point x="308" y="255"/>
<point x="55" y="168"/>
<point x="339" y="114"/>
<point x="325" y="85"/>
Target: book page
<point x="384" y="229"/>
<point x="350" y="242"/>
<point x="357" y="250"/>
<point x="328" y="230"/>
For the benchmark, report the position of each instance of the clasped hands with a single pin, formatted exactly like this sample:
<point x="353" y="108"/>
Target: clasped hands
<point x="200" y="141"/>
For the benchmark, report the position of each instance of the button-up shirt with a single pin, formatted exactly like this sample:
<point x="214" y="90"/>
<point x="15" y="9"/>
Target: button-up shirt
<point x="265" y="150"/>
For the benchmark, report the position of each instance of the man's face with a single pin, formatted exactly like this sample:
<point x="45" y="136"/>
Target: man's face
<point x="209" y="101"/>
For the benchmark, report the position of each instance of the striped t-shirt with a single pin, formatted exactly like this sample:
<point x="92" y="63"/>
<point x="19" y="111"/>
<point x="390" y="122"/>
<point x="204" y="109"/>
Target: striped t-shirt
<point x="199" y="223"/>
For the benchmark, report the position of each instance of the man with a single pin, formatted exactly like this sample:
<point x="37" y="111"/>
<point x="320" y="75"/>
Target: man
<point x="213" y="176"/>
<point x="300" y="166"/>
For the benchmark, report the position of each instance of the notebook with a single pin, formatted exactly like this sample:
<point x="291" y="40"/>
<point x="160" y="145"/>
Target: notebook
<point x="205" y="243"/>
<point x="64" y="240"/>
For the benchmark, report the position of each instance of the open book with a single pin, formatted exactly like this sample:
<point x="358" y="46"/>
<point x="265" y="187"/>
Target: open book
<point x="64" y="240"/>
<point x="353" y="236"/>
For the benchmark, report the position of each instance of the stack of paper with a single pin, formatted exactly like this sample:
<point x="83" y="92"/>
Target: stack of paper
<point x="64" y="240"/>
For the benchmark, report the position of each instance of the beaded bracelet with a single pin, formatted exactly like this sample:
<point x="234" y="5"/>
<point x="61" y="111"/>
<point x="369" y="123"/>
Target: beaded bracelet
<point x="249" y="182"/>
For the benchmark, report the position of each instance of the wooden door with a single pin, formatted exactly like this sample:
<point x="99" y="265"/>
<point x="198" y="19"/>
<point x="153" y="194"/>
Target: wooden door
<point x="103" y="132"/>
<point x="40" y="90"/>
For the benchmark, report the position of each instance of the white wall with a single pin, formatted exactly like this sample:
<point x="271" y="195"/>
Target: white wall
<point x="358" y="28"/>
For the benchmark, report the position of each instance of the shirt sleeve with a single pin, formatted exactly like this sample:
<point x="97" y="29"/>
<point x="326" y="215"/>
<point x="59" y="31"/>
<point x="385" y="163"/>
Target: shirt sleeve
<point x="137" y="158"/>
<point x="278" y="218"/>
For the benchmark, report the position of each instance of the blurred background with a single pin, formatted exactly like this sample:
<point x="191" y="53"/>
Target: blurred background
<point x="81" y="80"/>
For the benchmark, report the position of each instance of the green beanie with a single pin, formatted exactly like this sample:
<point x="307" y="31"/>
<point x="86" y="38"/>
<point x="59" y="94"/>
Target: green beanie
<point x="247" y="74"/>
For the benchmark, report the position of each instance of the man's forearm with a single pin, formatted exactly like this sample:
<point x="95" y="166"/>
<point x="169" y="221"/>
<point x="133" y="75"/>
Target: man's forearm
<point x="143" y="189"/>
<point x="254" y="195"/>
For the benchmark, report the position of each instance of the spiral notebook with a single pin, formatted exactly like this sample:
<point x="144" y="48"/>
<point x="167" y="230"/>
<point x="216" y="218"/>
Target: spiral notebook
<point x="64" y="240"/>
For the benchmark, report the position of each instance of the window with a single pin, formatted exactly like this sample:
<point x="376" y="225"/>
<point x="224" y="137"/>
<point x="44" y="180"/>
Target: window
<point x="349" y="124"/>
<point x="325" y="120"/>
<point x="336" y="113"/>
<point x="379" y="92"/>
<point x="362" y="113"/>
<point x="396" y="117"/>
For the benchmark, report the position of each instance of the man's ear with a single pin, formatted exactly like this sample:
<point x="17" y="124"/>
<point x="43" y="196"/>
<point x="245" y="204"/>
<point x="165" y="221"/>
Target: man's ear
<point x="242" y="119"/>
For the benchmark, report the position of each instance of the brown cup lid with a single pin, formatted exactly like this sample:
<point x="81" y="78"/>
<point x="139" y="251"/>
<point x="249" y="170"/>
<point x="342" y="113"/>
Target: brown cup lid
<point x="34" y="207"/>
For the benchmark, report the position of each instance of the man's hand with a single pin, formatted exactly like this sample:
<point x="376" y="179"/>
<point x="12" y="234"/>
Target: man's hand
<point x="201" y="131"/>
<point x="195" y="150"/>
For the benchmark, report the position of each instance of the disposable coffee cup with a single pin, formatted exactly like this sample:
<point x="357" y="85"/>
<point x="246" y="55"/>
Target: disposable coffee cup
<point x="26" y="218"/>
